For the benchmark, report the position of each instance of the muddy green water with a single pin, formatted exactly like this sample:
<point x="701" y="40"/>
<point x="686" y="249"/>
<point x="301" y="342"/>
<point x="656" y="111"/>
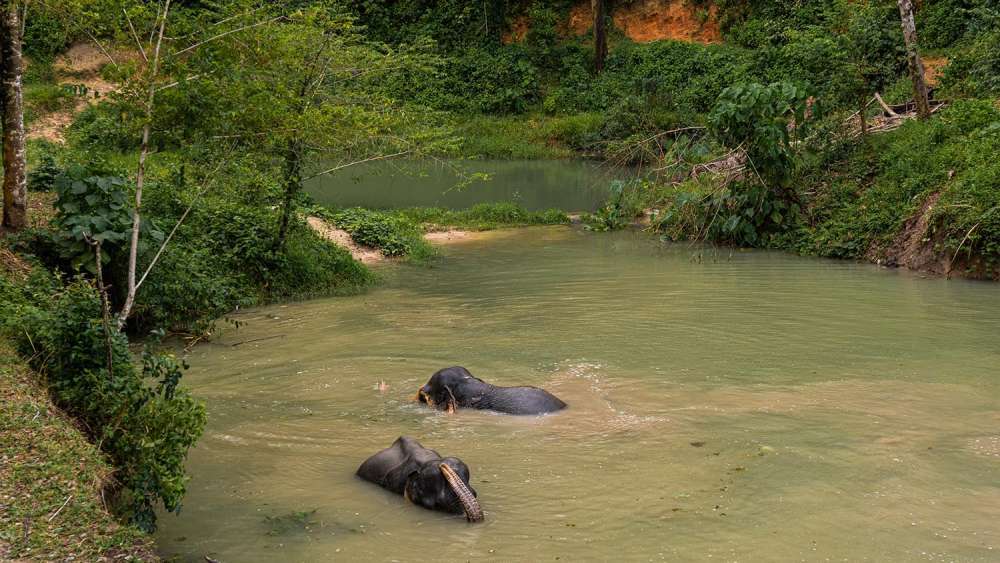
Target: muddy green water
<point x="570" y="185"/>
<point x="745" y="407"/>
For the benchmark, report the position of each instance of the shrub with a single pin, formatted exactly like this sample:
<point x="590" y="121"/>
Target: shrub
<point x="103" y="126"/>
<point x="188" y="290"/>
<point x="90" y="208"/>
<point x="141" y="419"/>
<point x="624" y="204"/>
<point x="311" y="266"/>
<point x="393" y="234"/>
<point x="758" y="119"/>
<point x="976" y="70"/>
<point x="42" y="178"/>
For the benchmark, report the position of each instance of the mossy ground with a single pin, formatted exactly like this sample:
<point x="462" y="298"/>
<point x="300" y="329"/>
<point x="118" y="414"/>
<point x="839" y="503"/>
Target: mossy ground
<point x="50" y="481"/>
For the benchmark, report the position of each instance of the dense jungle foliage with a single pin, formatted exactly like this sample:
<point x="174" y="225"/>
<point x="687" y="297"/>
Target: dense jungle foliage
<point x="254" y="98"/>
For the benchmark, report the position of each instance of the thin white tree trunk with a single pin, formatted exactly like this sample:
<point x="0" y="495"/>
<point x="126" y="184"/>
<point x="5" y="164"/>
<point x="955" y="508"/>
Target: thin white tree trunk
<point x="913" y="59"/>
<point x="140" y="174"/>
<point x="15" y="184"/>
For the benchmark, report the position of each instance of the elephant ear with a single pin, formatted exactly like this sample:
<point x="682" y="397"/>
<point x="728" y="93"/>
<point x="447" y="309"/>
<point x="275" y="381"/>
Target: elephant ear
<point x="473" y="512"/>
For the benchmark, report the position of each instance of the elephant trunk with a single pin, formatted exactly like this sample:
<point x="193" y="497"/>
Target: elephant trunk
<point x="473" y="512"/>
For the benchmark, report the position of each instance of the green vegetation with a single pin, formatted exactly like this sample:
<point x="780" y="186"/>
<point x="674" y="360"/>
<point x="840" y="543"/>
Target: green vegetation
<point x="484" y="217"/>
<point x="950" y="156"/>
<point x="50" y="480"/>
<point x="145" y="428"/>
<point x="625" y="203"/>
<point x="393" y="234"/>
<point x="181" y="191"/>
<point x="400" y="232"/>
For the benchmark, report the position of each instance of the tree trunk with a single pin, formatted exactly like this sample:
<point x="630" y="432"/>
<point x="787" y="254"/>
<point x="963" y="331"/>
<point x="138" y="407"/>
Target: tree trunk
<point x="140" y="176"/>
<point x="293" y="183"/>
<point x="15" y="184"/>
<point x="600" y="34"/>
<point x="495" y="19"/>
<point x="913" y="59"/>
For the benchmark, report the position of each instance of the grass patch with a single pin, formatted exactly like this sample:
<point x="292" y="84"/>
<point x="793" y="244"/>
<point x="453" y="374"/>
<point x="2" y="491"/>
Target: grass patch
<point x="50" y="479"/>
<point x="483" y="217"/>
<point x="530" y="137"/>
<point x="44" y="98"/>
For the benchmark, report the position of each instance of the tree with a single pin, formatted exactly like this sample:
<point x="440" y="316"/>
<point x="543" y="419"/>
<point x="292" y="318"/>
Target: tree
<point x="15" y="185"/>
<point x="309" y="90"/>
<point x="599" y="8"/>
<point x="874" y="54"/>
<point x="913" y="59"/>
<point x="151" y="86"/>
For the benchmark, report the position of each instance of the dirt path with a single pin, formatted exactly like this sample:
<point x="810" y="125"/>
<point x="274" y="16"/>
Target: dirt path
<point x="80" y="65"/>
<point x="340" y="237"/>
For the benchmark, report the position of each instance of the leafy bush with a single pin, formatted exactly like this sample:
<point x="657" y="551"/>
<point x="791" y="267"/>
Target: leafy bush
<point x="760" y="120"/>
<point x="91" y="208"/>
<point x="393" y="234"/>
<point x="42" y="178"/>
<point x="976" y="70"/>
<point x="102" y="126"/>
<point x="312" y="266"/>
<point x="188" y="290"/>
<point x="624" y="204"/>
<point x="222" y="256"/>
<point x="45" y="34"/>
<point x="141" y="419"/>
<point x="945" y="22"/>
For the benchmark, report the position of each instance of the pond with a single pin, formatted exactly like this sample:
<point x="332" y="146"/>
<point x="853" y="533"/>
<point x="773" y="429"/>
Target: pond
<point x="570" y="185"/>
<point x="732" y="405"/>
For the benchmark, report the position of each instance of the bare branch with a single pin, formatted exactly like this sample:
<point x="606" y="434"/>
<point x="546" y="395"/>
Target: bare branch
<point x="888" y="110"/>
<point x="362" y="161"/>
<point x="101" y="47"/>
<point x="135" y="35"/>
<point x="178" y="82"/>
<point x="230" y="32"/>
<point x="177" y="225"/>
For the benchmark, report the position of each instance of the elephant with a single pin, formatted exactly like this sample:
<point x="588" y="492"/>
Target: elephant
<point x="454" y="387"/>
<point x="423" y="477"/>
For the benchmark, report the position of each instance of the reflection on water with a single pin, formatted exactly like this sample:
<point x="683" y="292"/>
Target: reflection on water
<point x="570" y="185"/>
<point x="747" y="406"/>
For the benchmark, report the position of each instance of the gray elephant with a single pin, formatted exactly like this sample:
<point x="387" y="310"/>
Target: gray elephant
<point x="423" y="477"/>
<point x="453" y="388"/>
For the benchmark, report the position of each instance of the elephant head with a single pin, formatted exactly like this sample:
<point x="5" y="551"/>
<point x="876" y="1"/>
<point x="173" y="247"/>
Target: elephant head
<point x="423" y="477"/>
<point x="450" y="388"/>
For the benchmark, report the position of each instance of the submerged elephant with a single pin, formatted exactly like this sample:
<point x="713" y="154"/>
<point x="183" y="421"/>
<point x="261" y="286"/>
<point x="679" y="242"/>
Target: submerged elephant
<point x="423" y="477"/>
<point x="455" y="387"/>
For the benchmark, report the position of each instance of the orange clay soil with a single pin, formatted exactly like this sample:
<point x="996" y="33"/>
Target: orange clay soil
<point x="651" y="20"/>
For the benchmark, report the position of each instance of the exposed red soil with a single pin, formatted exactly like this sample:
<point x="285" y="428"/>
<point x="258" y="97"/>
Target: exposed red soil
<point x="933" y="69"/>
<point x="652" y="20"/>
<point x="518" y="30"/>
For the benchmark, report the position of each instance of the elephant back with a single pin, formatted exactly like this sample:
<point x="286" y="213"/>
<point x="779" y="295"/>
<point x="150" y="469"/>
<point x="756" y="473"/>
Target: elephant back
<point x="391" y="467"/>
